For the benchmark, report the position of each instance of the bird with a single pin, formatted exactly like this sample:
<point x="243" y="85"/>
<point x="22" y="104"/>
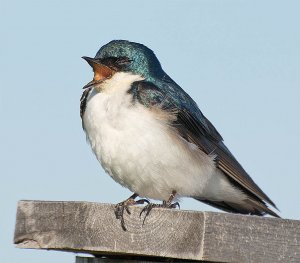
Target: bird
<point x="151" y="137"/>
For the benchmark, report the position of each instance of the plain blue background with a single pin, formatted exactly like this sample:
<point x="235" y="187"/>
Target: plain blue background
<point x="239" y="60"/>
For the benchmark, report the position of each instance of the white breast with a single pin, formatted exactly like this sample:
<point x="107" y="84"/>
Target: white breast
<point x="139" y="151"/>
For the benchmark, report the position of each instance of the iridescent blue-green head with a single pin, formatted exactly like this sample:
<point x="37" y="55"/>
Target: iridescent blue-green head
<point x="125" y="56"/>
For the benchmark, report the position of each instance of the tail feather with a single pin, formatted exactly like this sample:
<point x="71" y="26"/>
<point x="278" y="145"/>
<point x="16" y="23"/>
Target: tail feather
<point x="248" y="206"/>
<point x="261" y="207"/>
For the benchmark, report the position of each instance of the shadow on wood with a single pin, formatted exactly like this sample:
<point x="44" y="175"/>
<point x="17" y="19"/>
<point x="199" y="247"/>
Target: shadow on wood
<point x="175" y="234"/>
<point x="130" y="260"/>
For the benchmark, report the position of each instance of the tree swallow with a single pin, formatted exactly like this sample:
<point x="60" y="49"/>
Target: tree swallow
<point x="150" y="136"/>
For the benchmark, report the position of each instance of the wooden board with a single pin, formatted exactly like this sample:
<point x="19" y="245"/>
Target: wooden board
<point x="215" y="237"/>
<point x="126" y="260"/>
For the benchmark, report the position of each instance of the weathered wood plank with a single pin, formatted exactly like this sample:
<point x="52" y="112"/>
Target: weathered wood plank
<point x="92" y="228"/>
<point x="126" y="260"/>
<point x="107" y="260"/>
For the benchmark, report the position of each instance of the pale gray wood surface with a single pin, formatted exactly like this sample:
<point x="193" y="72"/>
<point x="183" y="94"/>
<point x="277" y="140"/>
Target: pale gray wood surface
<point x="93" y="228"/>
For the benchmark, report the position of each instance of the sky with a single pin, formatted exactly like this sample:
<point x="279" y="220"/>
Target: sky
<point x="239" y="60"/>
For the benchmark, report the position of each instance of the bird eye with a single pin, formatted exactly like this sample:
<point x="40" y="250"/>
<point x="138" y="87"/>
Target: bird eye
<point x="122" y="61"/>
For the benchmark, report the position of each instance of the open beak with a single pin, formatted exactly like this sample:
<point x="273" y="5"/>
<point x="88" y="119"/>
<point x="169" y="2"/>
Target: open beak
<point x="101" y="72"/>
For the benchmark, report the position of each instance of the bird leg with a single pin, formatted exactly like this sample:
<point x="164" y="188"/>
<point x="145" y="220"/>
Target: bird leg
<point x="165" y="204"/>
<point x="124" y="206"/>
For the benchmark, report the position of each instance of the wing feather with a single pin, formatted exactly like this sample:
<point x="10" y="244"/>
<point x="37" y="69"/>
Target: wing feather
<point x="194" y="127"/>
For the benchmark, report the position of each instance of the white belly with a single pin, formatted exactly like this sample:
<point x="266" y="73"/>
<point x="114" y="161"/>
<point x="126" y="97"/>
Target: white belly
<point x="141" y="153"/>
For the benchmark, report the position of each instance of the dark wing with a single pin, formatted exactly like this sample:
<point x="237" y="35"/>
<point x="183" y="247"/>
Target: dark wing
<point x="189" y="129"/>
<point x="83" y="100"/>
<point x="194" y="127"/>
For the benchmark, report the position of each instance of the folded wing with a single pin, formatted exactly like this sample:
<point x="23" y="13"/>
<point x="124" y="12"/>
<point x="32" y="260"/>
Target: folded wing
<point x="194" y="127"/>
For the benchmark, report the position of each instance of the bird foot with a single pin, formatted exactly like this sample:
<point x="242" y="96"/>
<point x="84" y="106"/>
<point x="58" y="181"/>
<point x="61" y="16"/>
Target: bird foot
<point x="166" y="204"/>
<point x="121" y="207"/>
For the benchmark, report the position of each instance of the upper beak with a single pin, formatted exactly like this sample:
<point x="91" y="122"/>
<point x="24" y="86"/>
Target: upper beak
<point x="89" y="60"/>
<point x="101" y="72"/>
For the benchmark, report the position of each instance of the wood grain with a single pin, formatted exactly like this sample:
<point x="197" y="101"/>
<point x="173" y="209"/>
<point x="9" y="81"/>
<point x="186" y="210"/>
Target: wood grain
<point x="188" y="235"/>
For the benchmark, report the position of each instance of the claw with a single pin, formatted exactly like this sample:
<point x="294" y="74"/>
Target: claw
<point x="127" y="210"/>
<point x="147" y="209"/>
<point x="165" y="204"/>
<point x="120" y="207"/>
<point x="124" y="206"/>
<point x="175" y="205"/>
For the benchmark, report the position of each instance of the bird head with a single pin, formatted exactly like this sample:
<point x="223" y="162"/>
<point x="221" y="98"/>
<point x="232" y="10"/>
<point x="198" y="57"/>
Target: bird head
<point x="124" y="56"/>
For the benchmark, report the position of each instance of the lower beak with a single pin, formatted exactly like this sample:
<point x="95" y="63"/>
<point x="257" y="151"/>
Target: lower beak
<point x="101" y="72"/>
<point x="91" y="83"/>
